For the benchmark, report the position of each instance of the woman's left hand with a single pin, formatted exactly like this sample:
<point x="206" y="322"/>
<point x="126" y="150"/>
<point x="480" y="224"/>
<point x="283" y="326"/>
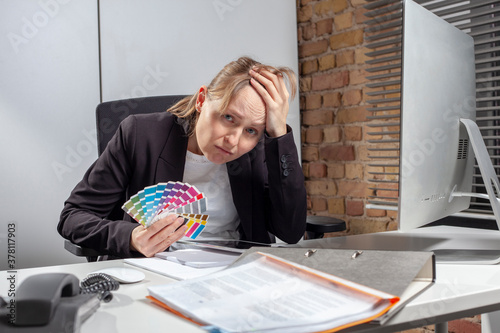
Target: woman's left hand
<point x="272" y="89"/>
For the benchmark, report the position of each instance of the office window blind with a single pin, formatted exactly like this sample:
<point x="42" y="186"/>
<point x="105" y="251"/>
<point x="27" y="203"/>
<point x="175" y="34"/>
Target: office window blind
<point x="478" y="18"/>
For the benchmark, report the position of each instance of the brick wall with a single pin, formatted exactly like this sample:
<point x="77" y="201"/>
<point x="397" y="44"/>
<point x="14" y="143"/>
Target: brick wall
<point x="334" y="110"/>
<point x="333" y="107"/>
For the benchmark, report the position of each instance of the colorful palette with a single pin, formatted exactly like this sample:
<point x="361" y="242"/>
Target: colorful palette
<point x="157" y="201"/>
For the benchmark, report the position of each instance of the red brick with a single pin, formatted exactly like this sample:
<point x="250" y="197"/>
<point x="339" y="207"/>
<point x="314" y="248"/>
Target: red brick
<point x="332" y="134"/>
<point x="387" y="194"/>
<point x="308" y="67"/>
<point x="317" y="170"/>
<point x="346" y="39"/>
<point x="304" y="14"/>
<point x="376" y="212"/>
<point x="312" y="48"/>
<point x="352" y="189"/>
<point x="318" y="117"/>
<point x="330" y="81"/>
<point x="358" y="77"/>
<point x="360" y="56"/>
<point x="336" y="206"/>
<point x="389" y="190"/>
<point x="305" y="84"/>
<point x="314" y="135"/>
<point x="392" y="225"/>
<point x="355" y="3"/>
<point x="353" y="133"/>
<point x="393" y="214"/>
<point x="464" y="326"/>
<point x="337" y="153"/>
<point x="320" y="187"/>
<point x="302" y="102"/>
<point x="324" y="7"/>
<point x="326" y="62"/>
<point x="345" y="58"/>
<point x="307" y="31"/>
<point x="339" y="5"/>
<point x="313" y="102"/>
<point x="351" y="97"/>
<point x="360" y="16"/>
<point x="343" y="21"/>
<point x="310" y="153"/>
<point x="364" y="226"/>
<point x="351" y="115"/>
<point x="354" y="171"/>
<point x="355" y="208"/>
<point x="318" y="204"/>
<point x="324" y="27"/>
<point x="336" y="171"/>
<point x="332" y="100"/>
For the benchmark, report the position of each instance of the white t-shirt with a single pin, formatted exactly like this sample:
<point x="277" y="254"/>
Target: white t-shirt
<point x="212" y="179"/>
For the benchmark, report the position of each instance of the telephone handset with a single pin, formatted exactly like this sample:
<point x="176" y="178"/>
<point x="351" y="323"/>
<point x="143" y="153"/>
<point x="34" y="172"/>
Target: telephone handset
<point x="48" y="302"/>
<point x="39" y="296"/>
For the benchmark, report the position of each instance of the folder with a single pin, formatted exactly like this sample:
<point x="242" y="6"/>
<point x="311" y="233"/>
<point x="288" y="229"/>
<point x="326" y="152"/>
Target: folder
<point x="268" y="294"/>
<point x="401" y="273"/>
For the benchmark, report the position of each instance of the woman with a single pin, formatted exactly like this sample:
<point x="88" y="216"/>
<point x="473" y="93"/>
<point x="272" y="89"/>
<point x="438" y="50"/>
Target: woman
<point x="230" y="140"/>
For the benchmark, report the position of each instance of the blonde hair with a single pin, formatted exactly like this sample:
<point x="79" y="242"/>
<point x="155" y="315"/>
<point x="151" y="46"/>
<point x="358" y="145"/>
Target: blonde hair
<point x="225" y="85"/>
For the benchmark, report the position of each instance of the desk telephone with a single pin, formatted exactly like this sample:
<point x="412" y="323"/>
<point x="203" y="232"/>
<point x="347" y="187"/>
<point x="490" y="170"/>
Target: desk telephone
<point x="54" y="302"/>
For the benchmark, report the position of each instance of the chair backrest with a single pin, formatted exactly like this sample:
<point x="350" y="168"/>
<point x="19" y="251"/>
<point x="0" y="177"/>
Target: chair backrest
<point x="110" y="114"/>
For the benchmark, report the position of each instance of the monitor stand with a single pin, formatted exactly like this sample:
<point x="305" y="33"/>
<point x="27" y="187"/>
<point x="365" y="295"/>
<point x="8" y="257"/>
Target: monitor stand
<point x="488" y="174"/>
<point x="490" y="179"/>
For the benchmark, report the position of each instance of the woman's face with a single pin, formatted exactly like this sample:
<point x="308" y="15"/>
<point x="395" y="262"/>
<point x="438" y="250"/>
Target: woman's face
<point x="225" y="135"/>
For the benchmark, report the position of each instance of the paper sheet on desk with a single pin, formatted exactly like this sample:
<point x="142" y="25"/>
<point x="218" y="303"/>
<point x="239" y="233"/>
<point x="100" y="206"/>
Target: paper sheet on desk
<point x="199" y="258"/>
<point x="171" y="269"/>
<point x="269" y="295"/>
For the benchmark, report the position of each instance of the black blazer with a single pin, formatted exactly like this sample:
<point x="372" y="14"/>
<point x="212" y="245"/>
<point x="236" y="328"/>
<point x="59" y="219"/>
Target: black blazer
<point x="267" y="185"/>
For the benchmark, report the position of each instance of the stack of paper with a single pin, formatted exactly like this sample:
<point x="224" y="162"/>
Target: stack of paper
<point x="171" y="269"/>
<point x="199" y="258"/>
<point x="157" y="201"/>
<point x="264" y="293"/>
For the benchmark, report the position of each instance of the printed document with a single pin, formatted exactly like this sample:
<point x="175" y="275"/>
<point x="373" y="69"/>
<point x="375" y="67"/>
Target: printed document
<point x="269" y="294"/>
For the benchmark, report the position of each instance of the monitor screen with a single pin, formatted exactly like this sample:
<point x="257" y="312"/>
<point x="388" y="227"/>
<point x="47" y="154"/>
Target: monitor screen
<point x="437" y="90"/>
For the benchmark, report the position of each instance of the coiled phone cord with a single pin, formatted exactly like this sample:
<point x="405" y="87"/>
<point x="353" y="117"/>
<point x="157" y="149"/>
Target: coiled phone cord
<point x="101" y="284"/>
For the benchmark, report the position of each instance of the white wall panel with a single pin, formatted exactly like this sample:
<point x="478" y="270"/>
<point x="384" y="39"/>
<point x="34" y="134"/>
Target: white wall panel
<point x="49" y="87"/>
<point x="161" y="47"/>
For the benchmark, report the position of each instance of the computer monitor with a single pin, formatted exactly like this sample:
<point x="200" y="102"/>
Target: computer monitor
<point x="437" y="109"/>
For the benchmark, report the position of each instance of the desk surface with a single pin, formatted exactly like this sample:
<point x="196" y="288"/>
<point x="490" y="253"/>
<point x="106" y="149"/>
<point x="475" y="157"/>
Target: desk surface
<point x="128" y="311"/>
<point x="459" y="291"/>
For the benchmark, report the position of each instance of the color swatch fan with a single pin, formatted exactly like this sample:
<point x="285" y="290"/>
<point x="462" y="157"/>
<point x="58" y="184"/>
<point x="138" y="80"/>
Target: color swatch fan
<point x="157" y="201"/>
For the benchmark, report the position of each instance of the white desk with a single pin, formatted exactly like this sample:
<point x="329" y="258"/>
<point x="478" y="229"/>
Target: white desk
<point x="128" y="311"/>
<point x="459" y="291"/>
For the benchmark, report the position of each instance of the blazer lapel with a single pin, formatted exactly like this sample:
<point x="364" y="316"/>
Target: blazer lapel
<point x="240" y="178"/>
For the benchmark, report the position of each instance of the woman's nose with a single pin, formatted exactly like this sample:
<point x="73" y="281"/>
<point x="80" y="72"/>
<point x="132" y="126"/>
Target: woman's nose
<point x="233" y="137"/>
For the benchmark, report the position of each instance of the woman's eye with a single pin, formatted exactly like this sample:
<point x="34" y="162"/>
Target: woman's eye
<point x="251" y="131"/>
<point x="228" y="117"/>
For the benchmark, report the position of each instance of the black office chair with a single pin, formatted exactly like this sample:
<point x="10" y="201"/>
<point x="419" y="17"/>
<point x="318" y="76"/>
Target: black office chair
<point x="108" y="117"/>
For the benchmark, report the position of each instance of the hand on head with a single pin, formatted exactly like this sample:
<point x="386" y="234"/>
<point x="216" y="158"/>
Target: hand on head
<point x="273" y="90"/>
<point x="159" y="236"/>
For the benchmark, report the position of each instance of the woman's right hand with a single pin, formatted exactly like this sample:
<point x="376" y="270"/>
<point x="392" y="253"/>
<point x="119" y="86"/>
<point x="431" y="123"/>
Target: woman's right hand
<point x="159" y="236"/>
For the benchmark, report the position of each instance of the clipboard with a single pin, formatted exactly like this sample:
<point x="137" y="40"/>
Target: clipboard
<point x="405" y="274"/>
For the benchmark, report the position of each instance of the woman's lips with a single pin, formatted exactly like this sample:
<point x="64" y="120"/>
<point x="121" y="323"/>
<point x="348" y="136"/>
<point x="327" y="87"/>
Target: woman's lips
<point x="224" y="151"/>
